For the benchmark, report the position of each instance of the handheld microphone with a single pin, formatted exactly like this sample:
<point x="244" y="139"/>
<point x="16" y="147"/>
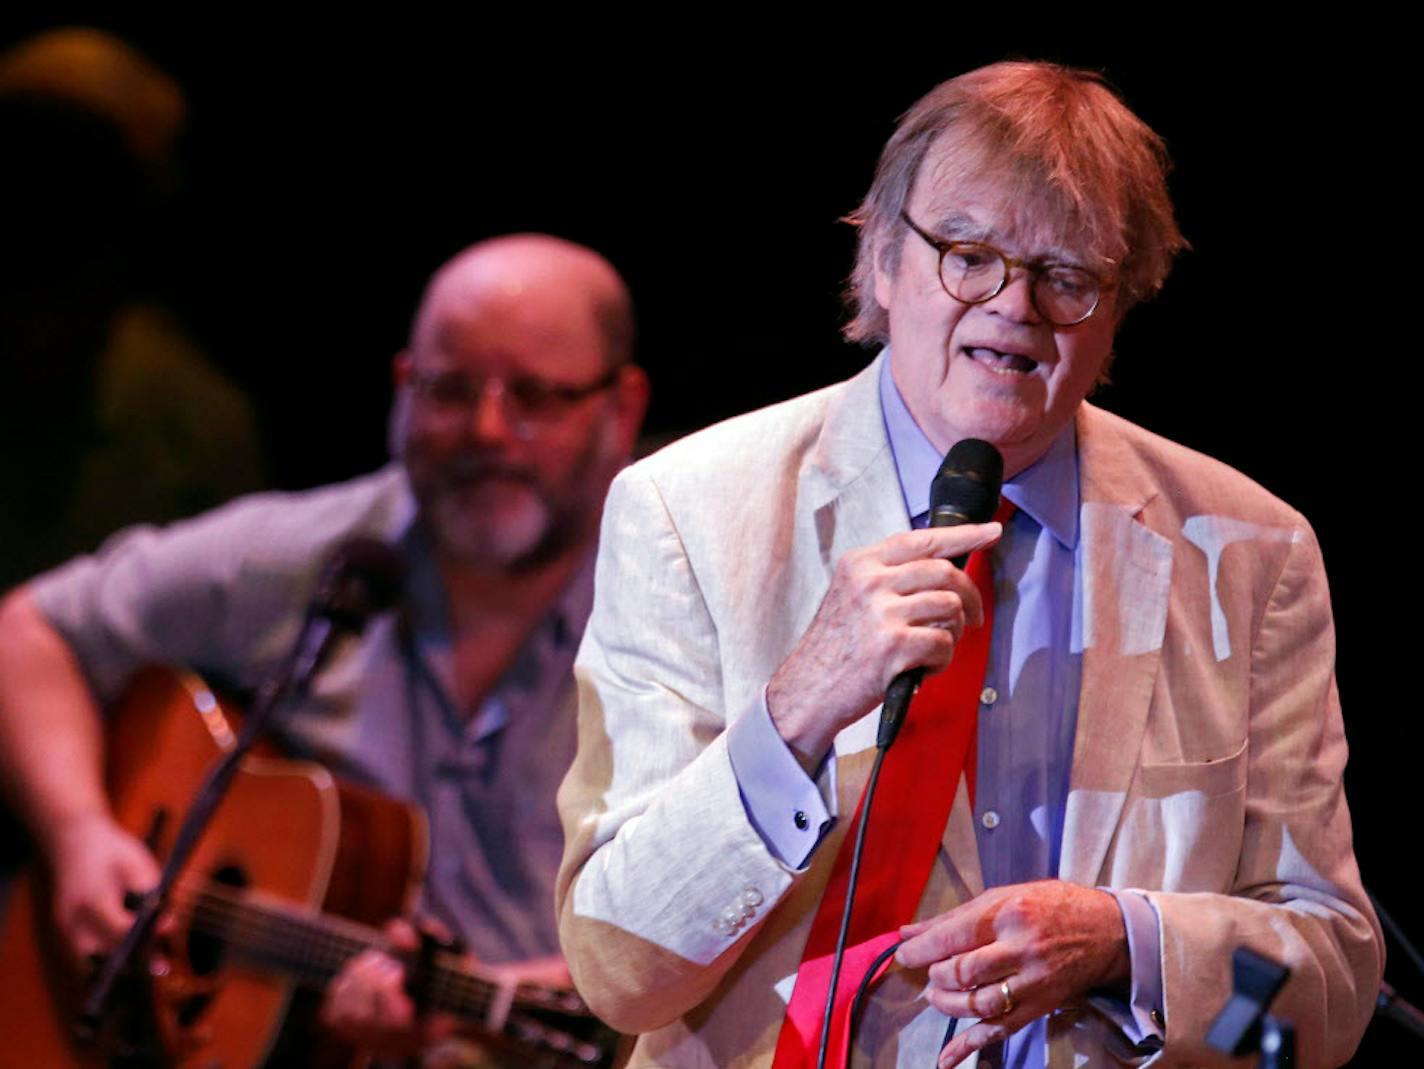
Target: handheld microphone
<point x="964" y="490"/>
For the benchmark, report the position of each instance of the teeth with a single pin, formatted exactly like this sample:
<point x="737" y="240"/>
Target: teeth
<point x="1002" y="363"/>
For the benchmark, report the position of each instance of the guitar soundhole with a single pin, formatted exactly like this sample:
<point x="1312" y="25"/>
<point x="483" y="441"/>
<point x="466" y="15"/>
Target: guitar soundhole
<point x="207" y="945"/>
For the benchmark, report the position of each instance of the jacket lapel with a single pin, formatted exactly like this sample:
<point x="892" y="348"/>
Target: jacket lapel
<point x="1127" y="571"/>
<point x="854" y="489"/>
<point x="850" y="480"/>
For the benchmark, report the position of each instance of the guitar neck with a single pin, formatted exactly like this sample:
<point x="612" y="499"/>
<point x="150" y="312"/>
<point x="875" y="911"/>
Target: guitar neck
<point x="313" y="947"/>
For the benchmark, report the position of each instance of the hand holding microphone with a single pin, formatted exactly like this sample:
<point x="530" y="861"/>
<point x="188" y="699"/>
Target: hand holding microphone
<point x="897" y="605"/>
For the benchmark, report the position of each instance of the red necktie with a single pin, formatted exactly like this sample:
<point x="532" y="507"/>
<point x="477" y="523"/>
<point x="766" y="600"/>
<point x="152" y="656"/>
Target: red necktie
<point x="918" y="782"/>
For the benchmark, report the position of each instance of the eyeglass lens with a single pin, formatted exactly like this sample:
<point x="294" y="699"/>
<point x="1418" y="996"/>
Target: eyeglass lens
<point x="974" y="273"/>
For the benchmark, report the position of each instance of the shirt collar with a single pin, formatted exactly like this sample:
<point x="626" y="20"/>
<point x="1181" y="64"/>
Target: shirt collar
<point x="1046" y="490"/>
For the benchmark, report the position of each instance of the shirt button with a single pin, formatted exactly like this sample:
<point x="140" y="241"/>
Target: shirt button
<point x="988" y="696"/>
<point x="751" y="896"/>
<point x="721" y="927"/>
<point x="1158" y="1020"/>
<point x="732" y="917"/>
<point x="990" y="820"/>
<point x="802" y="820"/>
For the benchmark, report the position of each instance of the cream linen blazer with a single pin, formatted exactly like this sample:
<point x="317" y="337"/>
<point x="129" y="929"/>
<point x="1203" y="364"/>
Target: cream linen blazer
<point x="1206" y="765"/>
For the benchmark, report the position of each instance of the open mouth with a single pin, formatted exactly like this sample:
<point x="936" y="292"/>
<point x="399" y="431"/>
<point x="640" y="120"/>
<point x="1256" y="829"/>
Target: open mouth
<point x="1001" y="363"/>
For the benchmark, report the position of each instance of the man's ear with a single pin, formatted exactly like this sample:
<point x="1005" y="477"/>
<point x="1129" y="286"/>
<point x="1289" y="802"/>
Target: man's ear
<point x="630" y="402"/>
<point x="400" y="368"/>
<point x="884" y="275"/>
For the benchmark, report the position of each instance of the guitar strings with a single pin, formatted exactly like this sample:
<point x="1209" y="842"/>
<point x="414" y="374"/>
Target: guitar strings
<point x="317" y="948"/>
<point x="314" y="947"/>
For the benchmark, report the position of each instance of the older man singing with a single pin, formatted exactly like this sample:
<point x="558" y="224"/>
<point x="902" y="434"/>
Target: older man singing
<point x="1126" y="760"/>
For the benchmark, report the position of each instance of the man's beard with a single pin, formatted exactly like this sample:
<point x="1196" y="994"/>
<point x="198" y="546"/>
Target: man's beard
<point x="489" y="515"/>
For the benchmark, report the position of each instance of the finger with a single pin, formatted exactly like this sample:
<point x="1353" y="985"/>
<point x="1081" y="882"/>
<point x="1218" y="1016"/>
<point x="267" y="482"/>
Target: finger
<point x="927" y="646"/>
<point x="391" y="1007"/>
<point x="946" y="581"/>
<point x="943" y="542"/>
<point x="138" y="869"/>
<point x="932" y="608"/>
<point x="930" y="573"/>
<point x="987" y="1001"/>
<point x="952" y="933"/>
<point x="90" y="942"/>
<point x="976" y="968"/>
<point x="98" y="921"/>
<point x="980" y="1035"/>
<point x="908" y="931"/>
<point x="99" y="924"/>
<point x="366" y="994"/>
<point x="402" y="934"/>
<point x="166" y="927"/>
<point x="437" y="928"/>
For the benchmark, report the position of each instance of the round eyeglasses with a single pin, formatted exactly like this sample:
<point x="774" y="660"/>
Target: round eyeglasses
<point x="531" y="405"/>
<point x="975" y="272"/>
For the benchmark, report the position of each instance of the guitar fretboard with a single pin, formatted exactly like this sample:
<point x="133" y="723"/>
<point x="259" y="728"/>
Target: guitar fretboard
<point x="312" y="948"/>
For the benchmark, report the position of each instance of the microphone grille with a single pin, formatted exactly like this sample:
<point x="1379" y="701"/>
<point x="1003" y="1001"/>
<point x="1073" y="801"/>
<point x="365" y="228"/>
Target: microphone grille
<point x="968" y="481"/>
<point x="360" y="577"/>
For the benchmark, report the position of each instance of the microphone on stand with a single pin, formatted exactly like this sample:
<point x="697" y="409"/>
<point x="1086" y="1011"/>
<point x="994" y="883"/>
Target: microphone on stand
<point x="361" y="576"/>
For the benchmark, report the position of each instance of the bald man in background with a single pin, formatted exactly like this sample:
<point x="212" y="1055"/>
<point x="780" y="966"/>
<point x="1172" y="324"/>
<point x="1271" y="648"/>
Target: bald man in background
<point x="516" y="403"/>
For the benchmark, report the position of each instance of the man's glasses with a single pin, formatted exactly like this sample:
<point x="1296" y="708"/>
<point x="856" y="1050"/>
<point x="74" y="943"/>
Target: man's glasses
<point x="530" y="404"/>
<point x="973" y="272"/>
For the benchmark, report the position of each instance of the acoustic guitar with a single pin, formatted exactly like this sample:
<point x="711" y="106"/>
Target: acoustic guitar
<point x="286" y="885"/>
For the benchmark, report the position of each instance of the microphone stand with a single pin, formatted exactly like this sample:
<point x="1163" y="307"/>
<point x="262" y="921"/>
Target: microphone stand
<point x="359" y="578"/>
<point x="1245" y="1024"/>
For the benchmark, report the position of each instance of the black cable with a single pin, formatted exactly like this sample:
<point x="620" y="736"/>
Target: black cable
<point x="866" y="979"/>
<point x="849" y="901"/>
<point x="1395" y="930"/>
<point x="845" y="913"/>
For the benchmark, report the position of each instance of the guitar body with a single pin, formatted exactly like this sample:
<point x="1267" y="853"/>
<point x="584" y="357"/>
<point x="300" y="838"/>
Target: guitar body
<point x="286" y="827"/>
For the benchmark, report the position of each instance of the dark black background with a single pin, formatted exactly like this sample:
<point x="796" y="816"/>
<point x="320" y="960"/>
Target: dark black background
<point x="327" y="169"/>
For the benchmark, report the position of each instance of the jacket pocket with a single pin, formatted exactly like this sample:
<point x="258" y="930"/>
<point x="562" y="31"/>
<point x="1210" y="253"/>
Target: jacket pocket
<point x="1211" y="779"/>
<point x="1182" y="825"/>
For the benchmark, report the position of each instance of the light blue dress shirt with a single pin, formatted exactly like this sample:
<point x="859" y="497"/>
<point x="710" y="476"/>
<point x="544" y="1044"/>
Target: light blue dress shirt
<point x="1026" y="718"/>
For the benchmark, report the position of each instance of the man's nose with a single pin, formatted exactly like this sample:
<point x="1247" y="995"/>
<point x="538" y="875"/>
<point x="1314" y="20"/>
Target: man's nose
<point x="489" y="416"/>
<point x="1015" y="300"/>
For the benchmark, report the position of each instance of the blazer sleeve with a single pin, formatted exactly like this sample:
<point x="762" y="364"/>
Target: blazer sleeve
<point x="664" y="878"/>
<point x="1297" y="895"/>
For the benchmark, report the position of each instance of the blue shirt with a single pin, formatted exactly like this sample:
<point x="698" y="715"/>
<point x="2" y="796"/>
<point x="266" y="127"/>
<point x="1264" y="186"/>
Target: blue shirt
<point x="226" y="593"/>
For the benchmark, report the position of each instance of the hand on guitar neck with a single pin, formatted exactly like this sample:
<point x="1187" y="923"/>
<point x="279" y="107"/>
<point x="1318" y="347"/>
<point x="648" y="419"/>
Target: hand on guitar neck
<point x="368" y="1006"/>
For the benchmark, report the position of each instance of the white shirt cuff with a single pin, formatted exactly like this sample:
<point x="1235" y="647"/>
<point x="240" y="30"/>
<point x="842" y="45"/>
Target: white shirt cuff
<point x="790" y="811"/>
<point x="1141" y="1020"/>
